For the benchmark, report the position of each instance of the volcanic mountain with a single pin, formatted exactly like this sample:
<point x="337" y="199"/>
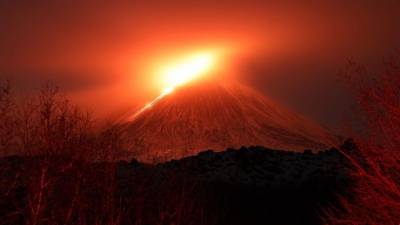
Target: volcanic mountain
<point x="214" y="115"/>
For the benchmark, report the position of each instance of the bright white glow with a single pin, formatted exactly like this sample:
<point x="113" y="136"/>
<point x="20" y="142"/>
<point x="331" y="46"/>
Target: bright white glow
<point x="167" y="90"/>
<point x="180" y="72"/>
<point x="187" y="70"/>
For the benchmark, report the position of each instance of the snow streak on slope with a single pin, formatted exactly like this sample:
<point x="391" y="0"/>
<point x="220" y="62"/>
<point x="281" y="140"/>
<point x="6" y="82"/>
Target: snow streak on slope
<point x="217" y="116"/>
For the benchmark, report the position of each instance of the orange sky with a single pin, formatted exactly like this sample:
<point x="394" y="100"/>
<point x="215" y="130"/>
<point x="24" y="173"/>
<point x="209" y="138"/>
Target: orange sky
<point x="101" y="51"/>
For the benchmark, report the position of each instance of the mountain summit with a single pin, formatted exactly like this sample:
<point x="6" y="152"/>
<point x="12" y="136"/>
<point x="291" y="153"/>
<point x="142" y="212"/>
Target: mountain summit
<point x="212" y="115"/>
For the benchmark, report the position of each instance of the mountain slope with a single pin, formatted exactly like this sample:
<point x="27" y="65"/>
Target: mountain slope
<point x="211" y="115"/>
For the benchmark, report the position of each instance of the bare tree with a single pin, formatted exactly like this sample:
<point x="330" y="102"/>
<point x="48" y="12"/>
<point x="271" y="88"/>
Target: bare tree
<point x="62" y="138"/>
<point x="376" y="194"/>
<point x="7" y="121"/>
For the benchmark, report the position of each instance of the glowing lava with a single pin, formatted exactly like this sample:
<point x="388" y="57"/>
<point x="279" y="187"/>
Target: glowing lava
<point x="186" y="70"/>
<point x="181" y="72"/>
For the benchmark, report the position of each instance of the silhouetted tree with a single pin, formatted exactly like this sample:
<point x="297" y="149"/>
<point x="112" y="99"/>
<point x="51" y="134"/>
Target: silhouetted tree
<point x="7" y="119"/>
<point x="376" y="196"/>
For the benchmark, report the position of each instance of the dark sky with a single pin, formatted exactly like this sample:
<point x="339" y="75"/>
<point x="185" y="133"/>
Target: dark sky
<point x="100" y="51"/>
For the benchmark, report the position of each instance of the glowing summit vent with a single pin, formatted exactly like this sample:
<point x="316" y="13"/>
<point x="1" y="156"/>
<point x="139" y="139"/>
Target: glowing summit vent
<point x="187" y="70"/>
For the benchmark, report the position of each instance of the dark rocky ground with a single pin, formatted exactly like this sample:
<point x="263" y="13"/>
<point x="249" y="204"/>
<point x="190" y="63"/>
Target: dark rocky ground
<point x="247" y="186"/>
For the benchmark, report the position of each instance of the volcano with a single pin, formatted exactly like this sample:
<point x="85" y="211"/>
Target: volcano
<point x="214" y="115"/>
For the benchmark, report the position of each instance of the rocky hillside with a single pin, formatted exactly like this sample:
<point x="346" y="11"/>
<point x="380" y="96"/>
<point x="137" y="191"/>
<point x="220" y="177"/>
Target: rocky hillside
<point x="212" y="115"/>
<point x="246" y="186"/>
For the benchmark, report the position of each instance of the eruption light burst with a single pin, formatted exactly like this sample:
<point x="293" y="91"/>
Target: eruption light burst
<point x="181" y="72"/>
<point x="190" y="68"/>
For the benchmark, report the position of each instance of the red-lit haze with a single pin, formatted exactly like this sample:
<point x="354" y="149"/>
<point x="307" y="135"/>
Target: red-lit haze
<point x="105" y="54"/>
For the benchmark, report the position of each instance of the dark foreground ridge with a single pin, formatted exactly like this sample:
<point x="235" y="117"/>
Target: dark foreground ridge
<point x="248" y="186"/>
